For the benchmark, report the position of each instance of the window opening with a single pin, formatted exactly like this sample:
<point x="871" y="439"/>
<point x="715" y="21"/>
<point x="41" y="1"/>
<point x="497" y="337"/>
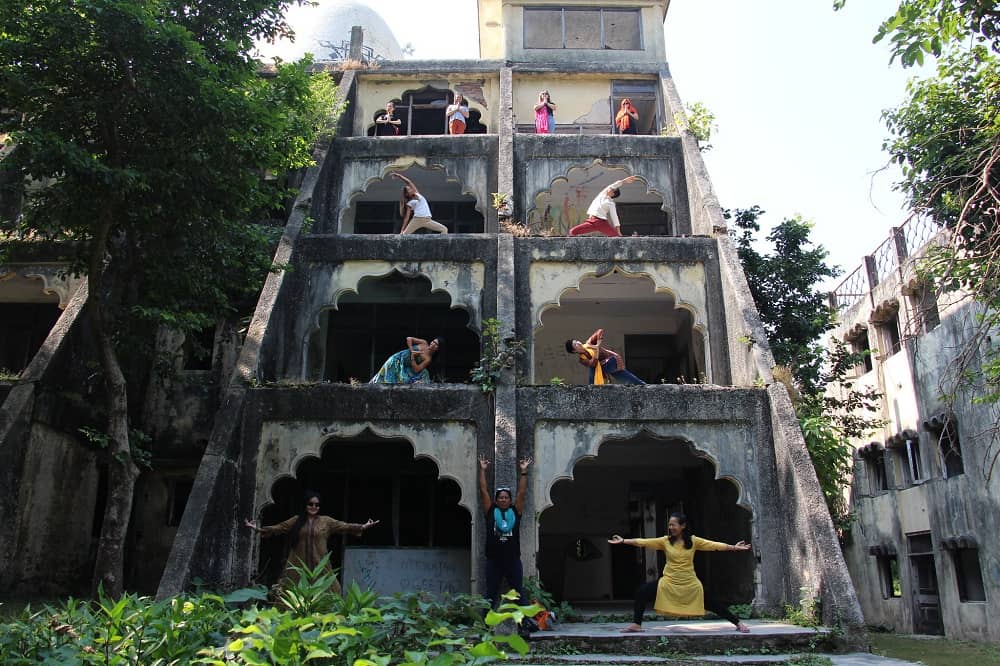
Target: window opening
<point x="924" y="303"/>
<point x="23" y="329"/>
<point x="889" y="331"/>
<point x="583" y="28"/>
<point x="888" y="575"/>
<point x="945" y="428"/>
<point x="968" y="574"/>
<point x="644" y="98"/>
<point x="859" y="345"/>
<point x="642" y="219"/>
<point x="178" y="492"/>
<point x="661" y="358"/>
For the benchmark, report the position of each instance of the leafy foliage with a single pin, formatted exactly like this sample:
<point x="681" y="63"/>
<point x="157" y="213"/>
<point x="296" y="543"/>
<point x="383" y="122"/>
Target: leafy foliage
<point x="498" y="355"/>
<point x="783" y="285"/>
<point x="795" y="315"/>
<point x="946" y="139"/>
<point x="699" y="120"/>
<point x="321" y="628"/>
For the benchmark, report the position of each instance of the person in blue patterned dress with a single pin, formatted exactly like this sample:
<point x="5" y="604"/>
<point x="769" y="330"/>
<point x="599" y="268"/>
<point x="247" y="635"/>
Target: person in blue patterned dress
<point x="410" y="365"/>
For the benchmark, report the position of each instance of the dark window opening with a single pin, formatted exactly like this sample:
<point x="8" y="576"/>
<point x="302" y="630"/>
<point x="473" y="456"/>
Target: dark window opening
<point x="422" y="113"/>
<point x="369" y="477"/>
<point x="178" y="492"/>
<point x="23" y="329"/>
<point x="889" y="334"/>
<point x="583" y="28"/>
<point x="859" y="345"/>
<point x="924" y="303"/>
<point x="878" y="479"/>
<point x="100" y="501"/>
<point x="945" y="428"/>
<point x="640" y="219"/>
<point x="888" y="575"/>
<point x="199" y="347"/>
<point x="662" y="358"/>
<point x="382" y="217"/>
<point x="969" y="574"/>
<point x="643" y="96"/>
<point x="923" y="576"/>
<point x="372" y="325"/>
<point x="912" y="458"/>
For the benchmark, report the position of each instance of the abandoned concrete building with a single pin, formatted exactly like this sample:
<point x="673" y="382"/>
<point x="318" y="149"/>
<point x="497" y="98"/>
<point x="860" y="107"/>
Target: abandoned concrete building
<point x="242" y="432"/>
<point x="923" y="551"/>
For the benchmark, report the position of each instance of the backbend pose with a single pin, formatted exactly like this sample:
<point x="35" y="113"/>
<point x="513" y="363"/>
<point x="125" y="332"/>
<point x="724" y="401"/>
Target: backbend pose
<point x="545" y="121"/>
<point x="415" y="210"/>
<point x="503" y="529"/>
<point x="602" y="215"/>
<point x="308" y="533"/>
<point x="388" y="124"/>
<point x="410" y="365"/>
<point x="678" y="592"/>
<point x="600" y="360"/>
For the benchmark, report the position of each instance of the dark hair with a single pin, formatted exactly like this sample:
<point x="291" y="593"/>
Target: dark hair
<point x="615" y="193"/>
<point x="683" y="520"/>
<point x="569" y="347"/>
<point x="297" y="527"/>
<point x="503" y="489"/>
<point x="440" y="341"/>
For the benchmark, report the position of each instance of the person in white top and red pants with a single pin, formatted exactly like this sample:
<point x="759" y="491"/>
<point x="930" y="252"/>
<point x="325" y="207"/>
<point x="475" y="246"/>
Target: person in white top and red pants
<point x="602" y="216"/>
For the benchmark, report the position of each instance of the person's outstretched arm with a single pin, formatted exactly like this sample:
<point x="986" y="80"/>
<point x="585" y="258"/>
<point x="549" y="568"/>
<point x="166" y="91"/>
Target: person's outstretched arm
<point x="484" y="491"/>
<point x="396" y="174"/>
<point x="522" y="483"/>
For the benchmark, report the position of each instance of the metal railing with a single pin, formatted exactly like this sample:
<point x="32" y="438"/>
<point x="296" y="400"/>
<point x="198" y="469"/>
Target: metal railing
<point x="906" y="240"/>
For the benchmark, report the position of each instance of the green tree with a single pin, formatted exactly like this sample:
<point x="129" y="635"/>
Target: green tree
<point x="946" y="138"/>
<point x="141" y="132"/>
<point x="784" y="287"/>
<point x="795" y="314"/>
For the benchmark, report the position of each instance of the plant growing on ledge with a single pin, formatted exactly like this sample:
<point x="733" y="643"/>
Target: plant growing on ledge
<point x="498" y="355"/>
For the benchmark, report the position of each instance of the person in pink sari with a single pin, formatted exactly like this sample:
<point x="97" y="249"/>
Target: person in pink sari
<point x="545" y="121"/>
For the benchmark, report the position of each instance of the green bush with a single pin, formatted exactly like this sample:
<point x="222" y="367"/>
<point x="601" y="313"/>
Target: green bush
<point x="307" y="624"/>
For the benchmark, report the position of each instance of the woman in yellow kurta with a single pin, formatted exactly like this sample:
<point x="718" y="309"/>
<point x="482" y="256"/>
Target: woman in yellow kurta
<point x="309" y="535"/>
<point x="678" y="592"/>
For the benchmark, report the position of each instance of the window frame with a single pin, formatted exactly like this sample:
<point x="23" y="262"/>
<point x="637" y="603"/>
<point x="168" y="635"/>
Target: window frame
<point x="562" y="27"/>
<point x="889" y="578"/>
<point x="963" y="573"/>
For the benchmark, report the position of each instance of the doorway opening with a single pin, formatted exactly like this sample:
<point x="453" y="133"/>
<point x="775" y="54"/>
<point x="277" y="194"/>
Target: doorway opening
<point x="371" y="325"/>
<point x="371" y="477"/>
<point x="658" y="340"/>
<point x="422" y="113"/>
<point x="376" y="210"/>
<point x="631" y="488"/>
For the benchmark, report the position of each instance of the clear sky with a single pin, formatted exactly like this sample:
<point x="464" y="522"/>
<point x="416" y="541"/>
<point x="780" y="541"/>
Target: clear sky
<point x="797" y="89"/>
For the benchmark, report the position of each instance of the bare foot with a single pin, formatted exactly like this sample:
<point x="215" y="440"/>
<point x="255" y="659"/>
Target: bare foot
<point x="742" y="628"/>
<point x="632" y="629"/>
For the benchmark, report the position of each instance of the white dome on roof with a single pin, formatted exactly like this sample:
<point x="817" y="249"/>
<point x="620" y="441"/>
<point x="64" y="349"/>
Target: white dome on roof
<point x="321" y="28"/>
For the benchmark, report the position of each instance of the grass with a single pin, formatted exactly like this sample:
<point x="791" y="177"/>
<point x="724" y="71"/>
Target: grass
<point x="935" y="651"/>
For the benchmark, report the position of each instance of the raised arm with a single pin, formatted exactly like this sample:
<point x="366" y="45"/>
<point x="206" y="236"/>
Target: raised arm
<point x="484" y="491"/>
<point x="420" y="342"/>
<point x="596" y="338"/>
<point x="522" y="483"/>
<point x="396" y="174"/>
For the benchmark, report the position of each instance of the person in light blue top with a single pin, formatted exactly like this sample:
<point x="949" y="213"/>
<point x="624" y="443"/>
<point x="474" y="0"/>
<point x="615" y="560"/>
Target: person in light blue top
<point x="410" y="365"/>
<point x="457" y="114"/>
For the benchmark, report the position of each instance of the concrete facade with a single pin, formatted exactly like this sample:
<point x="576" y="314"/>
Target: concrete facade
<point x="923" y="548"/>
<point x="713" y="435"/>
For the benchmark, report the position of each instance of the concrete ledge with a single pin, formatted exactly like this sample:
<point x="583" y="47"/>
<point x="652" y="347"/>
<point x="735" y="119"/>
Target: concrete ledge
<point x="605" y="146"/>
<point x="612" y="250"/>
<point x="439" y="146"/>
<point x="335" y="248"/>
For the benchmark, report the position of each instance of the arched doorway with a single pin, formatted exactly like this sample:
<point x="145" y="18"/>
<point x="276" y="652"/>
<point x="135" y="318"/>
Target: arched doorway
<point x="422" y="523"/>
<point x="657" y="339"/>
<point x="376" y="210"/>
<point x="422" y="112"/>
<point x="369" y="326"/>
<point x="565" y="203"/>
<point x="631" y="488"/>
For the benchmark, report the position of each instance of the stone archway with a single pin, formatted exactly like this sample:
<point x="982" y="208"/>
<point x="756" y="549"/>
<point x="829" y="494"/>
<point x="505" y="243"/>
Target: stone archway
<point x="424" y="512"/>
<point x="654" y="319"/>
<point x="642" y="211"/>
<point x="630" y="488"/>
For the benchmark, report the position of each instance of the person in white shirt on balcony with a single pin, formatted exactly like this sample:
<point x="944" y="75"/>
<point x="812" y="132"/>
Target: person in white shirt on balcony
<point x="602" y="216"/>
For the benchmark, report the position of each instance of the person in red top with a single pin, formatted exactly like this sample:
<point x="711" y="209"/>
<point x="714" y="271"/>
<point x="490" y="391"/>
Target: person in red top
<point x="600" y="360"/>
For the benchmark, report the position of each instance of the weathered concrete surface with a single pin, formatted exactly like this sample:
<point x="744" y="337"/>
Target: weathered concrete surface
<point x="16" y="416"/>
<point x="685" y="267"/>
<point x="540" y="159"/>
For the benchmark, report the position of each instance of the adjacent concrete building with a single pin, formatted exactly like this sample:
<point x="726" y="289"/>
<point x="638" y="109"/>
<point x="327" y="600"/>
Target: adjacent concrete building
<point x="923" y="550"/>
<point x="288" y="407"/>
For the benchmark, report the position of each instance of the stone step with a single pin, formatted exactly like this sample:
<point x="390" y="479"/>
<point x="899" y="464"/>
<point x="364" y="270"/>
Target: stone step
<point x="682" y="639"/>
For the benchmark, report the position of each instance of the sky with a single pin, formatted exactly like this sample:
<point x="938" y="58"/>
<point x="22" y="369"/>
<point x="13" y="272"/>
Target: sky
<point x="797" y="90"/>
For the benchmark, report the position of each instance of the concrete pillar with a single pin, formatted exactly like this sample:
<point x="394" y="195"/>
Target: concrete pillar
<point x="505" y="154"/>
<point x="357" y="42"/>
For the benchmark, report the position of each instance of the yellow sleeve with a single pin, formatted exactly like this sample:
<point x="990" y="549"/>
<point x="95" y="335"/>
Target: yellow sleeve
<point x="281" y="528"/>
<point x="705" y="544"/>
<point x="658" y="543"/>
